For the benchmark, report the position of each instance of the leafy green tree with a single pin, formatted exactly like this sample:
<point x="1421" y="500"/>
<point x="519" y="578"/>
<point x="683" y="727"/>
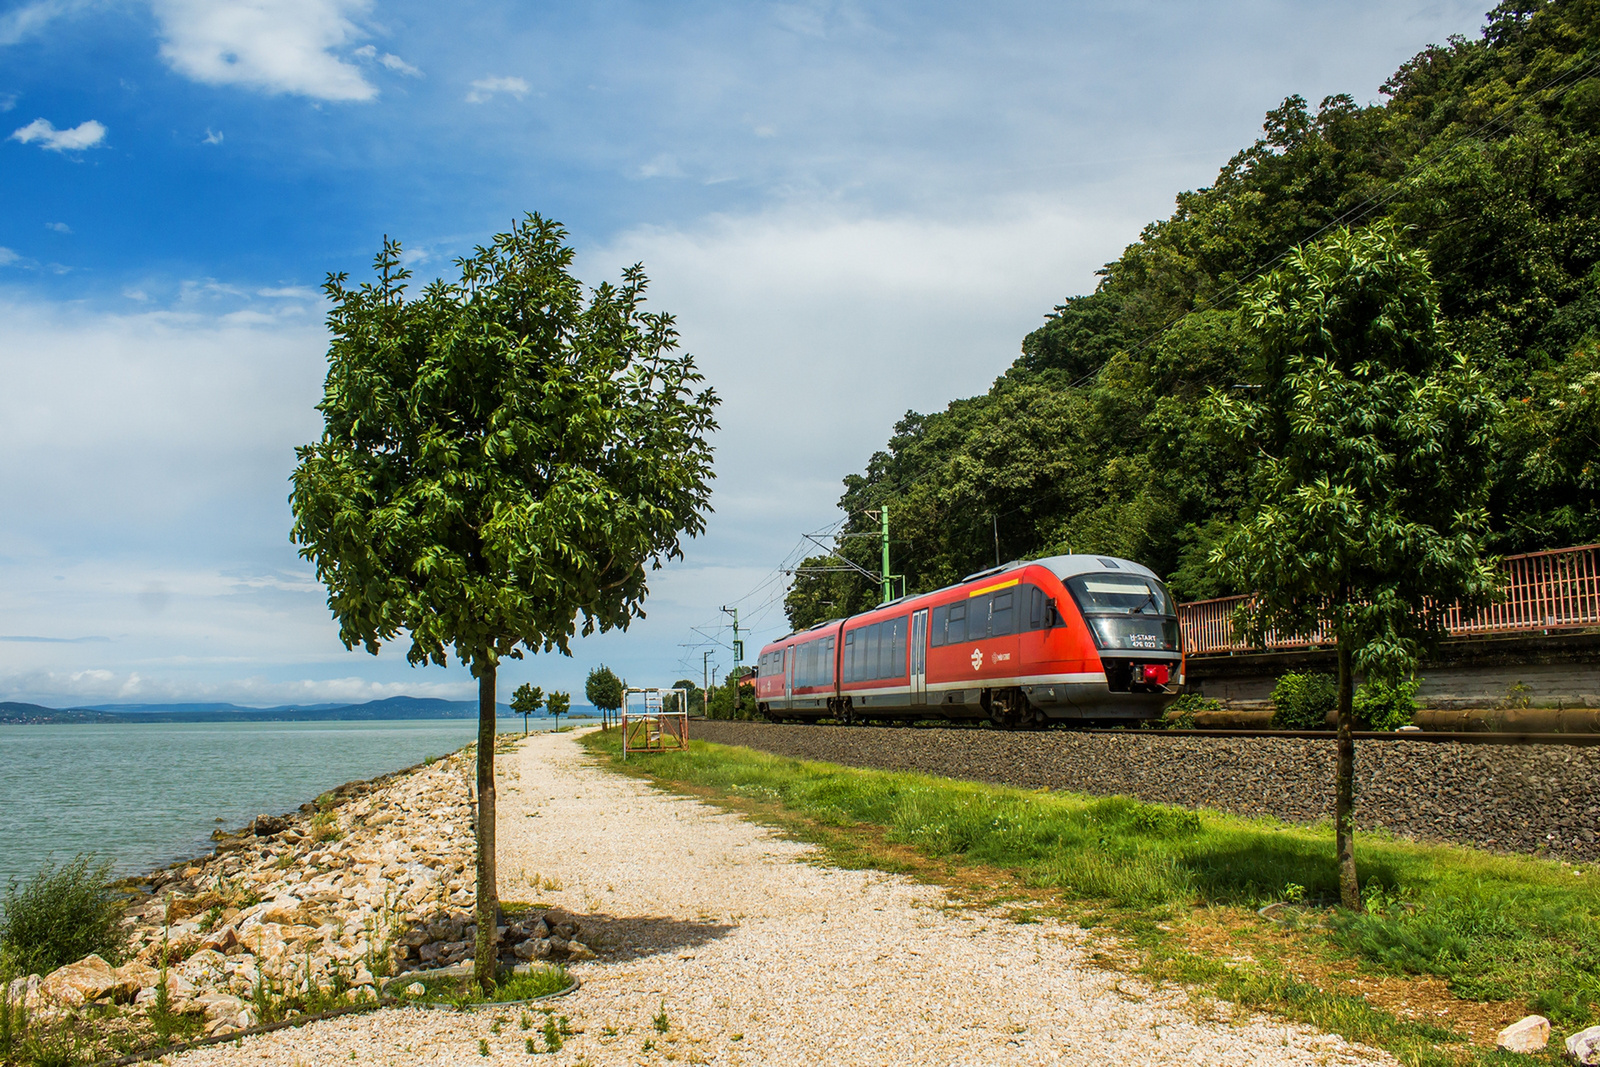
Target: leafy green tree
<point x="604" y="690"/>
<point x="1371" y="444"/>
<point x="504" y="458"/>
<point x="695" y="697"/>
<point x="560" y="704"/>
<point x="731" y="700"/>
<point x="527" y="700"/>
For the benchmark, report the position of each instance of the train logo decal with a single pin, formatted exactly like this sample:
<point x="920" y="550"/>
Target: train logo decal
<point x="977" y="659"/>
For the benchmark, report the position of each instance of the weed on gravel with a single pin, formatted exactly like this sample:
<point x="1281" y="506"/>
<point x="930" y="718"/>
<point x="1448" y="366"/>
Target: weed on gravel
<point x="1496" y="935"/>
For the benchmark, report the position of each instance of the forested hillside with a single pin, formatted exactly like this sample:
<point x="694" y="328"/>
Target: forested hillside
<point x="1486" y="151"/>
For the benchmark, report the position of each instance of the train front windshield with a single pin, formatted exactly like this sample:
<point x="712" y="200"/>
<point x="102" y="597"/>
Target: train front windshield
<point x="1127" y="611"/>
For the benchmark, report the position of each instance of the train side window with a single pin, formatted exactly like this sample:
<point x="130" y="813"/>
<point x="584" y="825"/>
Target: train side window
<point x="977" y="618"/>
<point x="895" y="662"/>
<point x="1000" y="614"/>
<point x="958" y="624"/>
<point x="850" y="656"/>
<point x="869" y="657"/>
<point x="827" y="674"/>
<point x="936" y="626"/>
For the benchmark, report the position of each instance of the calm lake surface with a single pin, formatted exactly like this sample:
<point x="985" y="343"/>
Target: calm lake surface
<point x="145" y="794"/>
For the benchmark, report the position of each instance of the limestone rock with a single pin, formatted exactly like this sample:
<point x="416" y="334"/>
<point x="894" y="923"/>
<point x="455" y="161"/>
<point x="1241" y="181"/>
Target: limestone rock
<point x="577" y="950"/>
<point x="1584" y="1047"/>
<point x="1529" y="1034"/>
<point x="89" y="979"/>
<point x="269" y="825"/>
<point x="533" y="949"/>
<point x="132" y="977"/>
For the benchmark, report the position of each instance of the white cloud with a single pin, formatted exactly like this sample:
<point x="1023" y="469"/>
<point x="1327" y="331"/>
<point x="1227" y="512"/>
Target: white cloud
<point x="7" y="257"/>
<point x="23" y="22"/>
<point x="59" y="227"/>
<point x="84" y="135"/>
<point x="485" y="88"/>
<point x="276" y="46"/>
<point x="289" y="292"/>
<point x="212" y="136"/>
<point x="8" y="101"/>
<point x="389" y="60"/>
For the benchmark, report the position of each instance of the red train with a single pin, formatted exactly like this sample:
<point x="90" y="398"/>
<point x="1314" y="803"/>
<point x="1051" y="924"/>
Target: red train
<point x="1057" y="639"/>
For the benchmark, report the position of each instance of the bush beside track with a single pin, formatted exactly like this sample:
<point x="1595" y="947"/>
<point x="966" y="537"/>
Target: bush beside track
<point x="1530" y="799"/>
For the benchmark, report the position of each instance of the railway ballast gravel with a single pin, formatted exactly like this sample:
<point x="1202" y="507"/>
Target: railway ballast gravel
<point x="1529" y="799"/>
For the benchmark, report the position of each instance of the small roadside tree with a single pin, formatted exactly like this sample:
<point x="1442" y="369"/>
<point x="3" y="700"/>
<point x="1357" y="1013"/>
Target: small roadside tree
<point x="559" y="704"/>
<point x="504" y="458"/>
<point x="604" y="690"/>
<point x="527" y="700"/>
<point x="1371" y="443"/>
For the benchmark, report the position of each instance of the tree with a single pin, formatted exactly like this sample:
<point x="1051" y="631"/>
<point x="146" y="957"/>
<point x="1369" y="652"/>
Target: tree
<point x="604" y="689"/>
<point x="1371" y="443"/>
<point x="527" y="700"/>
<point x="559" y="703"/>
<point x="734" y="698"/>
<point x="694" y="697"/>
<point x="502" y="456"/>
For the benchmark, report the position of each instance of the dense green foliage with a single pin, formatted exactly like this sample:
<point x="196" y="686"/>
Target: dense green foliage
<point x="1493" y="927"/>
<point x="1369" y="443"/>
<point x="603" y="688"/>
<point x="527" y="700"/>
<point x="502" y="454"/>
<point x="730" y="700"/>
<point x="61" y="915"/>
<point x="1381" y="705"/>
<point x="1303" y="701"/>
<point x="1485" y="154"/>
<point x="560" y="704"/>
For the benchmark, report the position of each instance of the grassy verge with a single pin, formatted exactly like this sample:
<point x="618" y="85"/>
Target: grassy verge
<point x="1454" y="942"/>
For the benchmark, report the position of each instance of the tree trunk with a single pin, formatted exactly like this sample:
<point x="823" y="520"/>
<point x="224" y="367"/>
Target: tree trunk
<point x="1344" y="805"/>
<point x="486" y="953"/>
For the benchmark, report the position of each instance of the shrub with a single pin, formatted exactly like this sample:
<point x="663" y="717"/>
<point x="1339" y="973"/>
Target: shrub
<point x="1385" y="706"/>
<point x="62" y="915"/>
<point x="1180" y="713"/>
<point x="1302" y="701"/>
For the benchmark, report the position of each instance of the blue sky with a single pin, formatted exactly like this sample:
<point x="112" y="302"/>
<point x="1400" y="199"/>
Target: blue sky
<point x="821" y="192"/>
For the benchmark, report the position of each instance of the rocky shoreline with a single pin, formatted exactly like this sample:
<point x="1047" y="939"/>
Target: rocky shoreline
<point x="314" y="908"/>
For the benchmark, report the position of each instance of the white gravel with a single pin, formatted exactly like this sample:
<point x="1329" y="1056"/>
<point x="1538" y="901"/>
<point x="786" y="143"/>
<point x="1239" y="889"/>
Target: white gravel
<point x="755" y="952"/>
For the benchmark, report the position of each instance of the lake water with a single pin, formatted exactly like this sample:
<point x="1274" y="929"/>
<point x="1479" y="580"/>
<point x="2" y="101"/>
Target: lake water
<point x="145" y="794"/>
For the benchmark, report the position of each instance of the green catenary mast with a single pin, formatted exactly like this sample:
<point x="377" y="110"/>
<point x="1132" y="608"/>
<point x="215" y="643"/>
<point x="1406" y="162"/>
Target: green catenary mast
<point x="888" y="582"/>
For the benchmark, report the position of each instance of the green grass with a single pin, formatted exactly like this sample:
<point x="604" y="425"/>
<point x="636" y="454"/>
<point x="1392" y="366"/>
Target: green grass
<point x="1495" y="928"/>
<point x="464" y="993"/>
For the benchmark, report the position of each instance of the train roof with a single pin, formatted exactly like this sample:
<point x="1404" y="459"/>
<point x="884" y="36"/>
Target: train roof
<point x="1063" y="567"/>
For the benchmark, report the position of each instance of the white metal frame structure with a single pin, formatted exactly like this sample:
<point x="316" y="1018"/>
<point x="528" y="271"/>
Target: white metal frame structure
<point x="653" y="728"/>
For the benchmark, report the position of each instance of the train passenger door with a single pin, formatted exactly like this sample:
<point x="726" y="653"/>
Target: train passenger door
<point x="919" y="658"/>
<point x="788" y="676"/>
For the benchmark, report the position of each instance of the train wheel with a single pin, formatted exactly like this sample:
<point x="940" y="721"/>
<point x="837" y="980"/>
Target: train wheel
<point x="1008" y="709"/>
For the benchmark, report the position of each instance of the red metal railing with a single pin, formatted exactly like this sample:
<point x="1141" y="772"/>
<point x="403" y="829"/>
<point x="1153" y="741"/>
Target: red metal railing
<point x="1554" y="590"/>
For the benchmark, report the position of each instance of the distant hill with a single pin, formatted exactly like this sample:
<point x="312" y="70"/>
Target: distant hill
<point x="12" y="712"/>
<point x="389" y="709"/>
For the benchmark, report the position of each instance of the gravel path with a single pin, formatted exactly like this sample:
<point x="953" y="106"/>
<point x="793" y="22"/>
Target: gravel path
<point x="758" y="954"/>
<point x="1531" y="798"/>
